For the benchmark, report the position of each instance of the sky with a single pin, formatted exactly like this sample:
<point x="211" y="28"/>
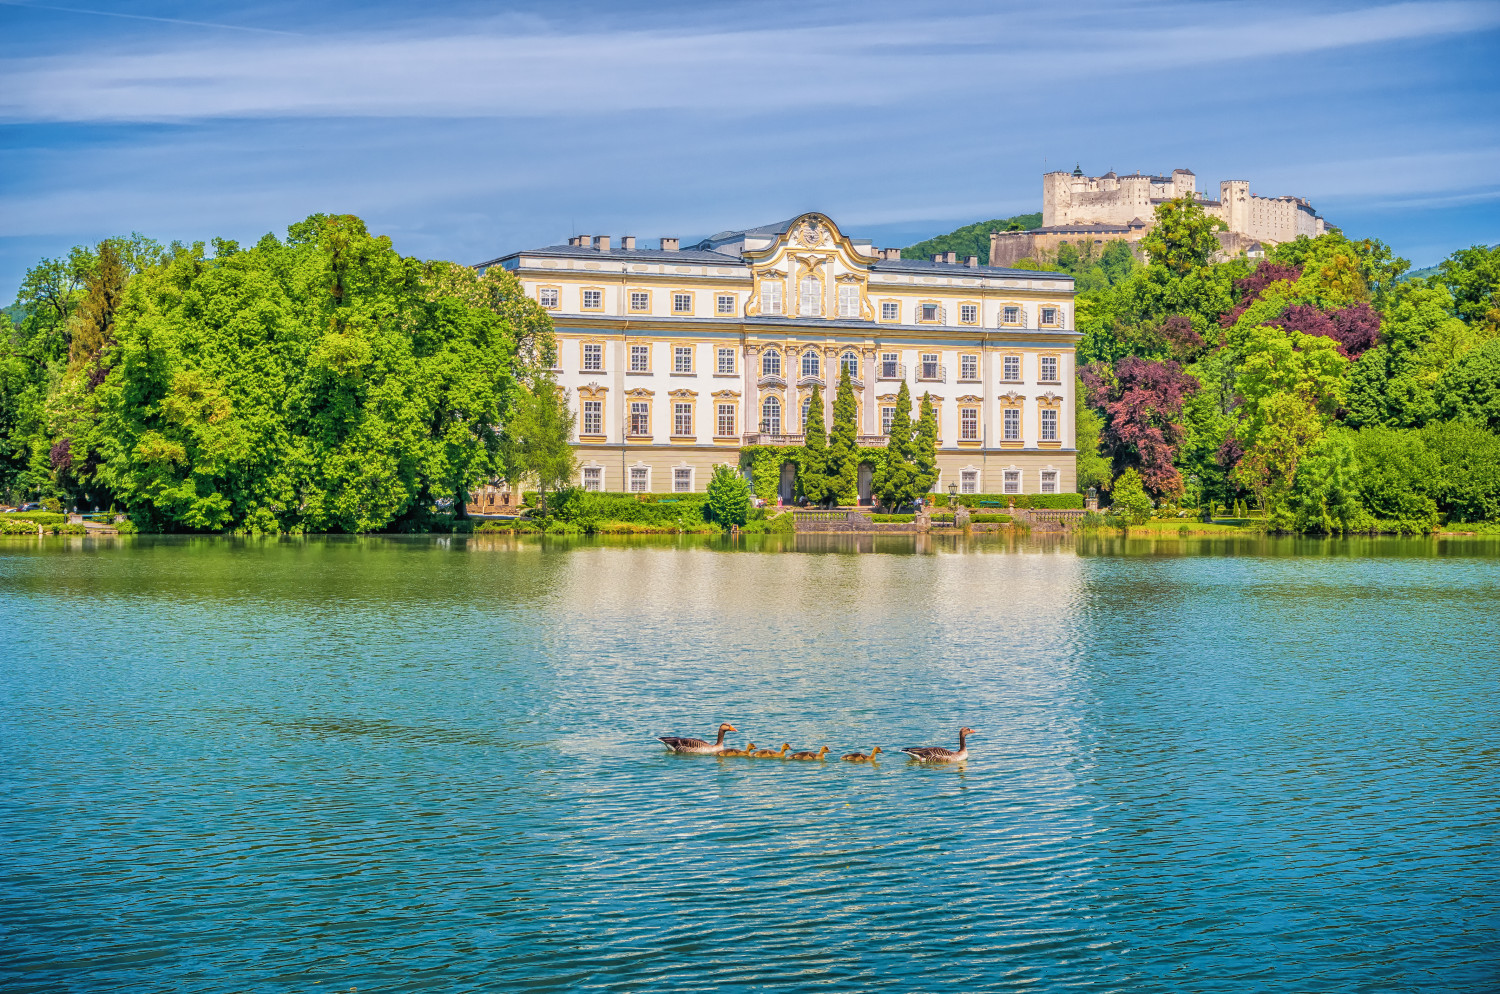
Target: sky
<point x="468" y="130"/>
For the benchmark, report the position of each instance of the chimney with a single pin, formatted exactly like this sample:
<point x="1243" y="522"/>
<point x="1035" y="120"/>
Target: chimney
<point x="575" y="240"/>
<point x="627" y="243"/>
<point x="937" y="257"/>
<point x="951" y="258"/>
<point x="669" y="245"/>
<point x="891" y="255"/>
<point x="601" y="243"/>
<point x="972" y="262"/>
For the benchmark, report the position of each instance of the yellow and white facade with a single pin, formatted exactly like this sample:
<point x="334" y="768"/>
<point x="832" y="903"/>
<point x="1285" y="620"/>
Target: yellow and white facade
<point x="674" y="358"/>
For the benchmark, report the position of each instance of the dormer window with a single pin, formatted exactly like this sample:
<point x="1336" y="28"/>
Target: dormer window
<point x="810" y="289"/>
<point x="726" y="303"/>
<point x="1049" y="316"/>
<point x="682" y="303"/>
<point x="548" y="297"/>
<point x="770" y="297"/>
<point x="929" y="313"/>
<point x="1010" y="315"/>
<point x="848" y="301"/>
<point x="593" y="300"/>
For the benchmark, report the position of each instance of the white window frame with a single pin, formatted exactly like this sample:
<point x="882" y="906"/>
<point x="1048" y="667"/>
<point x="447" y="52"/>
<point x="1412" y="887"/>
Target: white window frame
<point x="809" y="290"/>
<point x="811" y="360"/>
<point x="724" y="303"/>
<point x="597" y="298"/>
<point x="682" y="303"/>
<point x="968" y="424"/>
<point x="1010" y="420"/>
<point x="850" y="361"/>
<point x="593" y="478"/>
<point x="592" y="357"/>
<point x="643" y="354"/>
<point x="682" y="358"/>
<point x="848" y="301"/>
<point x="725" y="412"/>
<point x="640" y="300"/>
<point x="1042" y="364"/>
<point x="1049" y="316"/>
<point x="804" y="410"/>
<point x="593" y="417"/>
<point x="1011" y="481"/>
<point x="682" y="418"/>
<point x="770" y="415"/>
<point x="770" y="363"/>
<point x="640" y="479"/>
<point x="932" y="359"/>
<point x="887" y="416"/>
<point x="771" y="296"/>
<point x="640" y="416"/>
<point x="725" y="368"/>
<point x="968" y="313"/>
<point x="682" y="479"/>
<point x="890" y="310"/>
<point x="968" y="481"/>
<point x="1049" y="421"/>
<point x="890" y="365"/>
<point x="1007" y="364"/>
<point x="1010" y="314"/>
<point x="929" y="313"/>
<point x="968" y="366"/>
<point x="1049" y="481"/>
<point x="550" y="297"/>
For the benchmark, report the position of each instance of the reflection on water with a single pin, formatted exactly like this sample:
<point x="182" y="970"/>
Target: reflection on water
<point x="428" y="764"/>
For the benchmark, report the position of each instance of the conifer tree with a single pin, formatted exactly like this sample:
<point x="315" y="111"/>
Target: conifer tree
<point x="813" y="473"/>
<point x="843" y="445"/>
<point x="896" y="483"/>
<point x="924" y="447"/>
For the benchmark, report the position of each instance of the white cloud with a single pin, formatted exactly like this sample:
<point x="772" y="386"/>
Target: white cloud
<point x="510" y="68"/>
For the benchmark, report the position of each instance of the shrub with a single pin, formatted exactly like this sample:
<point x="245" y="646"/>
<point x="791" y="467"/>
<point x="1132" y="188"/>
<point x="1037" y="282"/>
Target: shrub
<point x="1129" y="498"/>
<point x="893" y="519"/>
<point x="37" y="518"/>
<point x="1061" y="502"/>
<point x="989" y="519"/>
<point x="728" y="497"/>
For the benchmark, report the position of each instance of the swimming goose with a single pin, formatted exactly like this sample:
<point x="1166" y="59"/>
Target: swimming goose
<point x="698" y="745"/>
<point x="814" y="756"/>
<point x="859" y="757"/>
<point x="771" y="753"/>
<point x="749" y="748"/>
<point x="937" y="754"/>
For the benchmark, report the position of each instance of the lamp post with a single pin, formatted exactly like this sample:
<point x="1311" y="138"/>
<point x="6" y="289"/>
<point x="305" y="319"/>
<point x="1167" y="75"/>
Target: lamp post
<point x="1091" y="499"/>
<point x="952" y="494"/>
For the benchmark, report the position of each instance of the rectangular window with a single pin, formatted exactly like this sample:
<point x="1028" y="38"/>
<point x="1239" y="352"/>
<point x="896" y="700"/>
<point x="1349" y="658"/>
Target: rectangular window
<point x="1049" y="424"/>
<point x="1010" y="369"/>
<point x="682" y="359"/>
<point x="811" y="289"/>
<point x="968" y="367"/>
<point x="1012" y="425"/>
<point x="682" y="419"/>
<point x="848" y="301"/>
<point x="593" y="417"/>
<point x="640" y="417"/>
<point x="639" y="475"/>
<point x="770" y="297"/>
<point x="890" y="368"/>
<point x="890" y="311"/>
<point x="968" y="424"/>
<point x="929" y="365"/>
<point x="726" y="303"/>
<point x="640" y="300"/>
<point x="968" y="313"/>
<point x="682" y="303"/>
<point x="1011" y="315"/>
<point x="1049" y="369"/>
<point x="1049" y="315"/>
<point x="726" y="360"/>
<point x="929" y="313"/>
<point x="1012" y="483"/>
<point x="593" y="358"/>
<point x="887" y="415"/>
<point x="968" y="481"/>
<point x="1049" y="481"/>
<point x="682" y="480"/>
<point x="547" y="297"/>
<point x="593" y="300"/>
<point x="640" y="358"/>
<point x="726" y="420"/>
<point x="593" y="478"/>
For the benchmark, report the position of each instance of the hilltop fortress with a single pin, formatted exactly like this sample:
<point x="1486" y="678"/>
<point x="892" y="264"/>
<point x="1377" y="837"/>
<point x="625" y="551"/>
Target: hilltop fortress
<point x="1078" y="209"/>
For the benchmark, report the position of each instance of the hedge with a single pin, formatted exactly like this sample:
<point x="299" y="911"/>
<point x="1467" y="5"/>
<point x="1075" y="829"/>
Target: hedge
<point x="893" y="519"/>
<point x="1048" y="502"/>
<point x="35" y="517"/>
<point x="26" y="526"/>
<point x="989" y="519"/>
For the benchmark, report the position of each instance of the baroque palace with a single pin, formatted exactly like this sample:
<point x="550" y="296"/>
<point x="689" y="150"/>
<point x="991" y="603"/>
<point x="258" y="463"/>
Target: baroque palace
<point x="676" y="358"/>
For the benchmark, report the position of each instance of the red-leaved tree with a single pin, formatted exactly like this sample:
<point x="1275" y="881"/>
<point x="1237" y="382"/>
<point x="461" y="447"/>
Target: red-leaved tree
<point x="1142" y="402"/>
<point x="1355" y="328"/>
<point x="1249" y="288"/>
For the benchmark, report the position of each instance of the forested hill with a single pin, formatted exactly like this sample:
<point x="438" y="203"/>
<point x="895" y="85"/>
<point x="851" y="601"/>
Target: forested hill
<point x="972" y="239"/>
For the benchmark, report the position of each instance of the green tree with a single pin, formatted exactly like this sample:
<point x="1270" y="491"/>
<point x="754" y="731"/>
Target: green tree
<point x="812" y="473"/>
<point x="542" y="432"/>
<point x="1128" y="497"/>
<point x="843" y="446"/>
<point x="1472" y="276"/>
<point x="971" y="239"/>
<point x="1093" y="464"/>
<point x="897" y="483"/>
<point x="1470" y="389"/>
<point x="1182" y="238"/>
<point x="924" y="446"/>
<point x="728" y="497"/>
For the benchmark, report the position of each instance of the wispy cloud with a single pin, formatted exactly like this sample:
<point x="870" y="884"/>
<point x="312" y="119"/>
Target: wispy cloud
<point x="513" y="68"/>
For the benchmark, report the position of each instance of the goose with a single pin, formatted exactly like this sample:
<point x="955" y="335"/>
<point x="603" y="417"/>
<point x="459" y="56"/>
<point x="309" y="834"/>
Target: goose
<point x="811" y="756"/>
<point x="771" y="753"/>
<point x="749" y="748"/>
<point x="859" y="757"/>
<point x="698" y="746"/>
<point x="937" y="754"/>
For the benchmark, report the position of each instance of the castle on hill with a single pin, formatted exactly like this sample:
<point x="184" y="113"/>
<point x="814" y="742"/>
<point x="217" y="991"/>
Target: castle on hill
<point x="1077" y="209"/>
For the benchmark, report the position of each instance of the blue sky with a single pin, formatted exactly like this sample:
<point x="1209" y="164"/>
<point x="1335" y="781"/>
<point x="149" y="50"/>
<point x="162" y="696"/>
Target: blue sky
<point x="465" y="130"/>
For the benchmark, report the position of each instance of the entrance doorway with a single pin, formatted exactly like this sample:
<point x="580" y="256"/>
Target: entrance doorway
<point x="788" y="488"/>
<point x="866" y="482"/>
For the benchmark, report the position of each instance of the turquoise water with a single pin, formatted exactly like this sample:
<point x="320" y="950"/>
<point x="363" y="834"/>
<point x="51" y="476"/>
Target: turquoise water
<point x="428" y="765"/>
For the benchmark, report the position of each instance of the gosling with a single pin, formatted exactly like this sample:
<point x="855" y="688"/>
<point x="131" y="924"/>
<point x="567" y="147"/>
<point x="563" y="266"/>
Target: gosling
<point x="772" y="753"/>
<point x="749" y="748"/>
<point x="812" y="757"/>
<point x="859" y="757"/>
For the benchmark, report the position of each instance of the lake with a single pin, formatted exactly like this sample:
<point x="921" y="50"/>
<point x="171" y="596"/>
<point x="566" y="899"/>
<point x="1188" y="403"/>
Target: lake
<point x="428" y="764"/>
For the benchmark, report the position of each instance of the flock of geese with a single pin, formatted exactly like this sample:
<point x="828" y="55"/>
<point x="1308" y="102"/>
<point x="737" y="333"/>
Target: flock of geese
<point x="923" y="754"/>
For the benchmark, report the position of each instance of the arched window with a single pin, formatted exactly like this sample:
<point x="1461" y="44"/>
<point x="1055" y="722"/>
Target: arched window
<point x="849" y="361"/>
<point x="770" y="416"/>
<point x="806" y="406"/>
<point x="812" y="289"/>
<point x="770" y="363"/>
<point x="810" y="362"/>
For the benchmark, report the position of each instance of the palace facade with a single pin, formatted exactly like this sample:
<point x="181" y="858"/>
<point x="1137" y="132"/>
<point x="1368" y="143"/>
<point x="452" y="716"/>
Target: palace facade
<point x="676" y="358"/>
